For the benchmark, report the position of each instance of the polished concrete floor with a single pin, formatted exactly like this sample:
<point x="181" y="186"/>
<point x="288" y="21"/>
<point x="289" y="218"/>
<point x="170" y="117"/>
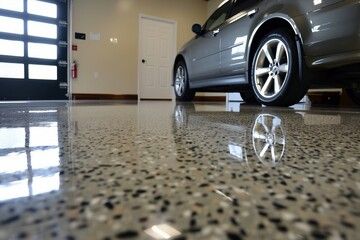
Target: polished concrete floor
<point x="156" y="170"/>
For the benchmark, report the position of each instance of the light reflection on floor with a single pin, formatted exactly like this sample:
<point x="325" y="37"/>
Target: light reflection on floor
<point x="30" y="152"/>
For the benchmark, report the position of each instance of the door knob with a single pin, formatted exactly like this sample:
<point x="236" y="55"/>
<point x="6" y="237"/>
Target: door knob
<point x="143" y="61"/>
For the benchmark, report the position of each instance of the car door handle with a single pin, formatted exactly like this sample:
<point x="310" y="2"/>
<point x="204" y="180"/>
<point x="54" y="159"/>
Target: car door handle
<point x="216" y="32"/>
<point x="251" y="13"/>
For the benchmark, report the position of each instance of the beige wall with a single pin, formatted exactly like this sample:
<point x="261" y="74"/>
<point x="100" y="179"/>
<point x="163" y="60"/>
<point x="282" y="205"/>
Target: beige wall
<point x="112" y="68"/>
<point x="213" y="5"/>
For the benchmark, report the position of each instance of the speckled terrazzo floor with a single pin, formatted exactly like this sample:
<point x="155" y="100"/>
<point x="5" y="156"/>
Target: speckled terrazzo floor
<point x="156" y="170"/>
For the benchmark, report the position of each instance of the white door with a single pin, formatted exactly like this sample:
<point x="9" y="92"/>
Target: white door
<point x="156" y="58"/>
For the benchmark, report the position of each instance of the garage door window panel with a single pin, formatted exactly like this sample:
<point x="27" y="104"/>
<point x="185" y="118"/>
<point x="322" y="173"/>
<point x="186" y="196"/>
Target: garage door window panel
<point x="42" y="72"/>
<point x="12" y="70"/>
<point x="42" y="51"/>
<point x="11" y="48"/>
<point x="43" y="30"/>
<point x="42" y="8"/>
<point x="12" y="5"/>
<point x="11" y="25"/>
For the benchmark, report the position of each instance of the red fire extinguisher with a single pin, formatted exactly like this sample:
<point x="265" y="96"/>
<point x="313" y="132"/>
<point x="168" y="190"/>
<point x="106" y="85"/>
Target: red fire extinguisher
<point x="74" y="70"/>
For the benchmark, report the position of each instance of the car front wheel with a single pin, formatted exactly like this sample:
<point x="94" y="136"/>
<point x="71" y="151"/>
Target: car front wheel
<point x="275" y="76"/>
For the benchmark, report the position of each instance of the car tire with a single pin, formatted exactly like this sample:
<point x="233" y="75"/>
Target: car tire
<point x="275" y="73"/>
<point x="249" y="97"/>
<point x="182" y="89"/>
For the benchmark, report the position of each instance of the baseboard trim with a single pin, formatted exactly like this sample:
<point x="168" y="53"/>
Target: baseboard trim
<point x="92" y="96"/>
<point x="209" y="99"/>
<point x="156" y="99"/>
<point x="95" y="96"/>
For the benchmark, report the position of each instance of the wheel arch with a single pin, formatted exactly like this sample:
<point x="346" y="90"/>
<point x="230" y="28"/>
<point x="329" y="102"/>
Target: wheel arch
<point x="265" y="26"/>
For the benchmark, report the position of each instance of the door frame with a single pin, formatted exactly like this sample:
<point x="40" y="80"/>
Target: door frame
<point x="70" y="51"/>
<point x="174" y="48"/>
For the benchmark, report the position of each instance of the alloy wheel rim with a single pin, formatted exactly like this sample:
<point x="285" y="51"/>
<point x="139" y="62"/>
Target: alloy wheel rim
<point x="180" y="115"/>
<point x="180" y="81"/>
<point x="271" y="68"/>
<point x="269" y="140"/>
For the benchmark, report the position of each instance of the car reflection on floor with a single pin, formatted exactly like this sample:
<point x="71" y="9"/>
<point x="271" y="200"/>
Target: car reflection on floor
<point x="262" y="134"/>
<point x="264" y="131"/>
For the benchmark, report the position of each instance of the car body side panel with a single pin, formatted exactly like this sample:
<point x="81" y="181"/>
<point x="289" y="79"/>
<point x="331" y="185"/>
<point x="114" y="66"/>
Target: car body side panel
<point x="205" y="48"/>
<point x="235" y="38"/>
<point x="233" y="46"/>
<point x="329" y="29"/>
<point x="204" y="57"/>
<point x="334" y="31"/>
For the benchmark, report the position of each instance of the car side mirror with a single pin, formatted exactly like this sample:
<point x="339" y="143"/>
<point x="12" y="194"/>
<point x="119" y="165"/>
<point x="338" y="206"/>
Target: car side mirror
<point x="197" y="29"/>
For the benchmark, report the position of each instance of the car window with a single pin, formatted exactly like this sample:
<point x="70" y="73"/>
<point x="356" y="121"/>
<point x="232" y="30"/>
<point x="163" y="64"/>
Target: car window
<point x="241" y="5"/>
<point x="218" y="17"/>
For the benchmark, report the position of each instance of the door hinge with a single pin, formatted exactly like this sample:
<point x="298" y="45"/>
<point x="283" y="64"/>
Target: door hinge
<point x="63" y="23"/>
<point x="63" y="44"/>
<point x="63" y="63"/>
<point x="63" y="85"/>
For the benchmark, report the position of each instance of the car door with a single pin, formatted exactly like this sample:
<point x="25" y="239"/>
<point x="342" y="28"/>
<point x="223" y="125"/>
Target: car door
<point x="205" y="50"/>
<point x="236" y="34"/>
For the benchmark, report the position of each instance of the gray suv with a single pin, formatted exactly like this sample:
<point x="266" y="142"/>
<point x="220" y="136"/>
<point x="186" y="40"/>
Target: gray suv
<point x="272" y="51"/>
